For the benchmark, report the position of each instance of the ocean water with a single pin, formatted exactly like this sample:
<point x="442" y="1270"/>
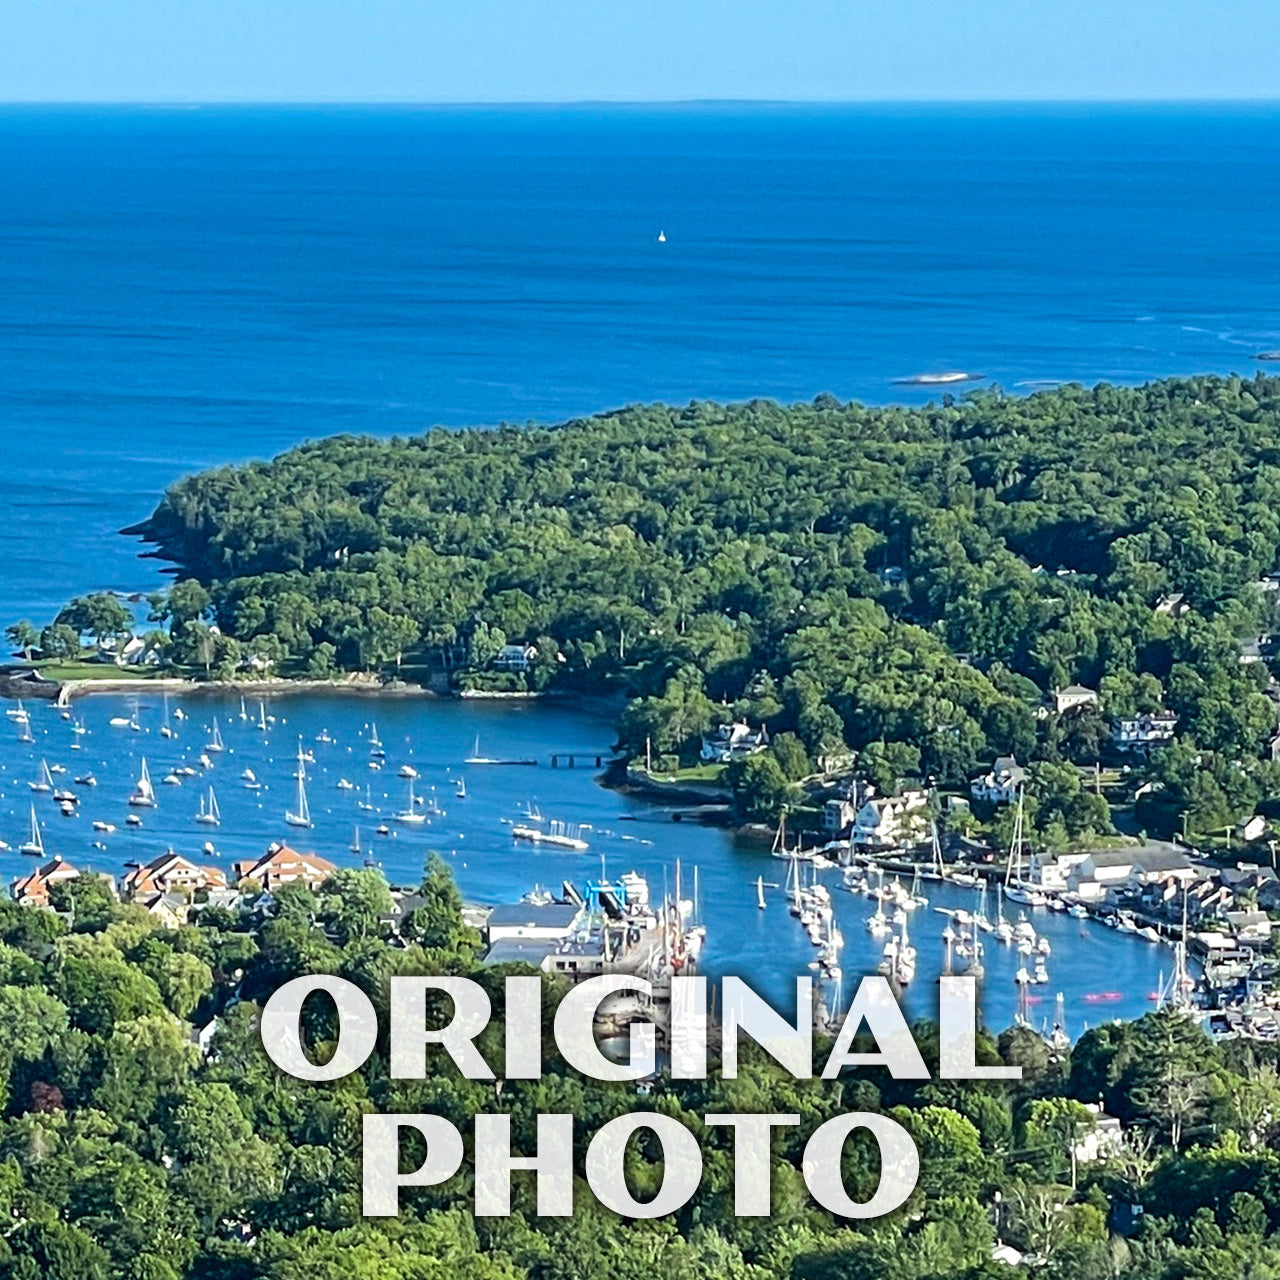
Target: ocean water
<point x="185" y="287"/>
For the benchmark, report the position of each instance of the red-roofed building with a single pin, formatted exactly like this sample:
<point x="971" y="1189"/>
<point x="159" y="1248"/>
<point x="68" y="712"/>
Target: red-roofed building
<point x="282" y="865"/>
<point x="33" y="890"/>
<point x="170" y="873"/>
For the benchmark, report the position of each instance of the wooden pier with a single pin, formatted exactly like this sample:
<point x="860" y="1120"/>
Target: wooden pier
<point x="588" y="759"/>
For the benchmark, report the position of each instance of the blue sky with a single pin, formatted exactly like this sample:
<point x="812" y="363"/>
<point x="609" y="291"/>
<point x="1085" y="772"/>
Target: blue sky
<point x="635" y="50"/>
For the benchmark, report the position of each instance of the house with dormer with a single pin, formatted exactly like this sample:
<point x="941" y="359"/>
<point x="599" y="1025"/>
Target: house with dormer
<point x="283" y="865"/>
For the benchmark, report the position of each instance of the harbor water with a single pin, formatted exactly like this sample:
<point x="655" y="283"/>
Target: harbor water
<point x="1101" y="974"/>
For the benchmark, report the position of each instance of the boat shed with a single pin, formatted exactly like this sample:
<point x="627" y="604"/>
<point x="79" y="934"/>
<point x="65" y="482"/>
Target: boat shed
<point x="548" y="921"/>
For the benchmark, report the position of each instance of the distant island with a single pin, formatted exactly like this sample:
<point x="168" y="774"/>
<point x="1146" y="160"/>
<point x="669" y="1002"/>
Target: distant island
<point x="1083" y="577"/>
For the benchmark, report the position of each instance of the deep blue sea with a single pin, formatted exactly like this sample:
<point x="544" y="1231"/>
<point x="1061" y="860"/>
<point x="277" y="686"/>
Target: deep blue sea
<point x="180" y="288"/>
<point x="185" y="287"/>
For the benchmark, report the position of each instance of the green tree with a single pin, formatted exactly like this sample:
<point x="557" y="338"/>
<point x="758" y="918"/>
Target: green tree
<point x="59" y="641"/>
<point x="101" y="615"/>
<point x="355" y="903"/>
<point x="23" y="636"/>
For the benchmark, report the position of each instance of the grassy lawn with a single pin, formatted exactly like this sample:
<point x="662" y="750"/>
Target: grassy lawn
<point x="69" y="669"/>
<point x="703" y="773"/>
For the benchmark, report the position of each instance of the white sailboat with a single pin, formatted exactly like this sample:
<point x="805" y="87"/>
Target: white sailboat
<point x="905" y="970"/>
<point x="1003" y="929"/>
<point x="476" y="758"/>
<point x="244" y="714"/>
<point x="209" y="814"/>
<point x="1015" y="888"/>
<point x="34" y="845"/>
<point x="300" y="814"/>
<point x="262" y="715"/>
<point x="166" y="729"/>
<point x="375" y="743"/>
<point x="878" y="925"/>
<point x="144" y="795"/>
<point x="760" y="892"/>
<point x="45" y="782"/>
<point x="215" y="739"/>
<point x="412" y="815"/>
<point x="18" y="713"/>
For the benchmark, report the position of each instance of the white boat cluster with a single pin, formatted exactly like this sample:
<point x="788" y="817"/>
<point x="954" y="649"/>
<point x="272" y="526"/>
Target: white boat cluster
<point x="143" y="795"/>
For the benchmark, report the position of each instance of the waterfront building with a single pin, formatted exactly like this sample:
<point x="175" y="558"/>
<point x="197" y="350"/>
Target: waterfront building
<point x="1052" y="871"/>
<point x="1000" y="785"/>
<point x="610" y="928"/>
<point x="543" y="922"/>
<point x="282" y="865"/>
<point x="1128" y="870"/>
<point x="515" y="657"/>
<point x="1249" y="928"/>
<point x="170" y="872"/>
<point x="886" y="822"/>
<point x="838" y="815"/>
<point x="732" y="742"/>
<point x="33" y="890"/>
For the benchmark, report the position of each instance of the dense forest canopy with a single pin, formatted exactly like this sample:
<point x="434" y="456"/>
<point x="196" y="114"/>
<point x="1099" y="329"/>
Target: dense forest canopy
<point x="130" y="1152"/>
<point x="852" y="575"/>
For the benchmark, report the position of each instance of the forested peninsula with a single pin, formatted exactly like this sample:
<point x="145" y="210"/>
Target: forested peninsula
<point x="902" y="586"/>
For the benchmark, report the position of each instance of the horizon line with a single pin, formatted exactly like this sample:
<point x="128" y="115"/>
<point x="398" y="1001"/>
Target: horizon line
<point x="554" y="103"/>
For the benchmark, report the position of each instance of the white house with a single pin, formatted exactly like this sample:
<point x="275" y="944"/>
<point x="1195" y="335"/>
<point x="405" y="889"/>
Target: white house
<point x="838" y="814"/>
<point x="515" y="657"/>
<point x="887" y="821"/>
<point x="1052" y="871"/>
<point x="1073" y="696"/>
<point x="732" y="742"/>
<point x="550" y="922"/>
<point x="136" y="651"/>
<point x="1142" y="732"/>
<point x="1104" y="1138"/>
<point x="1253" y="828"/>
<point x="1000" y="786"/>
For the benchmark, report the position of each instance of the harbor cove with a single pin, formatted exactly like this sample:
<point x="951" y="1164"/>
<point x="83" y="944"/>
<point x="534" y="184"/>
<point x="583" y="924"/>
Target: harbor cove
<point x="441" y="759"/>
